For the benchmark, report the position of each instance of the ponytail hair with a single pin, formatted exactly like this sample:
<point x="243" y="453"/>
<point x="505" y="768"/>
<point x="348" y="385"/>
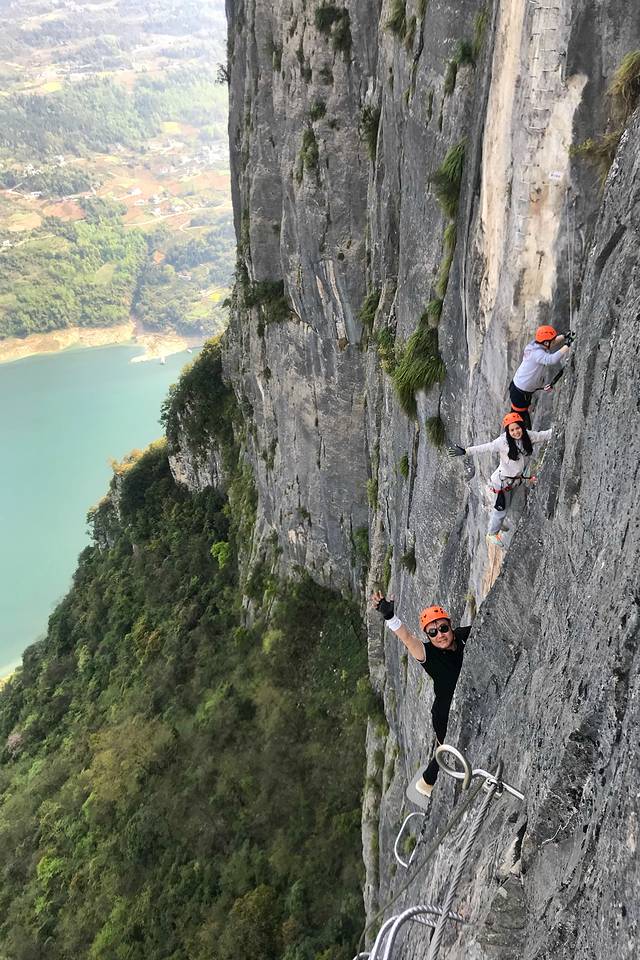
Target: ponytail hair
<point x="513" y="448"/>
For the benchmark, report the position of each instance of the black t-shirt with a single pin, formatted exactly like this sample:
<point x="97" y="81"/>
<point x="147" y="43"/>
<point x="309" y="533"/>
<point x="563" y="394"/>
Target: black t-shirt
<point x="443" y="666"/>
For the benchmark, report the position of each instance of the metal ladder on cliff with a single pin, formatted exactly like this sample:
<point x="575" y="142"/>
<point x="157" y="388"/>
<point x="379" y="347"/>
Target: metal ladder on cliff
<point x="493" y="785"/>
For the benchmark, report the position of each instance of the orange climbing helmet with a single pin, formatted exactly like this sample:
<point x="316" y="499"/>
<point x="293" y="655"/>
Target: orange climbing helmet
<point x="545" y="333"/>
<point x="511" y="418"/>
<point x="429" y="614"/>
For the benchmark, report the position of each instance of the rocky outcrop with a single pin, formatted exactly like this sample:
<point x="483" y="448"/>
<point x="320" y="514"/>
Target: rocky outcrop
<point x="345" y="121"/>
<point x="197" y="470"/>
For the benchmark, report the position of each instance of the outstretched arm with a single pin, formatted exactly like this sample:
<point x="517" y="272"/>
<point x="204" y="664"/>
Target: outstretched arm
<point x="539" y="436"/>
<point x="386" y="608"/>
<point x="489" y="447"/>
<point x="457" y="451"/>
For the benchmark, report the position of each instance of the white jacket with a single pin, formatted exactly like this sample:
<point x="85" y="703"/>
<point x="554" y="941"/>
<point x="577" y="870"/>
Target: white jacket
<point x="508" y="470"/>
<point x="533" y="373"/>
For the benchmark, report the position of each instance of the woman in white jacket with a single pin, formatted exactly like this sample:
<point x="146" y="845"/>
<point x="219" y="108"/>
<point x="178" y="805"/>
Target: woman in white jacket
<point x="515" y="446"/>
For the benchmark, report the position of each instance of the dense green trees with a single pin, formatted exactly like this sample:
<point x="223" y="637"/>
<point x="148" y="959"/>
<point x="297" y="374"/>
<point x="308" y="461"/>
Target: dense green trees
<point x="81" y="273"/>
<point x="178" y="779"/>
<point x="95" y="114"/>
<point x="168" y="293"/>
<point x="53" y="181"/>
<point x="95" y="272"/>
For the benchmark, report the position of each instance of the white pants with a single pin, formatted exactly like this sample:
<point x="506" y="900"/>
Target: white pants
<point x="497" y="517"/>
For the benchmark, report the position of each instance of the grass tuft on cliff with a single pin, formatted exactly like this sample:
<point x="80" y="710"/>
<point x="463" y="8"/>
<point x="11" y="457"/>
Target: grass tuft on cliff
<point x="270" y="298"/>
<point x="624" y="89"/>
<point x="435" y="431"/>
<point x="419" y="367"/>
<point x="450" y="78"/>
<point x="624" y="93"/>
<point x="447" y="179"/>
<point x="367" y="313"/>
<point x="479" y="29"/>
<point x="386" y="345"/>
<point x="369" y="123"/>
<point x="598" y="152"/>
<point x="403" y="466"/>
<point x="397" y="19"/>
<point x="408" y="560"/>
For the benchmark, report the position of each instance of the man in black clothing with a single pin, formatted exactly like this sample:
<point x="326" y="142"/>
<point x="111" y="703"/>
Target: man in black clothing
<point x="441" y="655"/>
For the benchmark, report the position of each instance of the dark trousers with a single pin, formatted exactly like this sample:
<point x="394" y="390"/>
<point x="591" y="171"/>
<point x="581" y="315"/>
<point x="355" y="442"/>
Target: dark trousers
<point x="520" y="403"/>
<point x="440" y="717"/>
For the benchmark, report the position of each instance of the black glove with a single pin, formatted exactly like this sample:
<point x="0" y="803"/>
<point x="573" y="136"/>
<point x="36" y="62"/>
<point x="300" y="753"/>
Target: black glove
<point x="455" y="451"/>
<point x="386" y="608"/>
<point x="569" y="337"/>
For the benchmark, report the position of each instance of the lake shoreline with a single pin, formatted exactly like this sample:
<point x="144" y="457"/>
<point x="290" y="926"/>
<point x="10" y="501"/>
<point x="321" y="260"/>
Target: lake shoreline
<point x="154" y="345"/>
<point x="71" y="415"/>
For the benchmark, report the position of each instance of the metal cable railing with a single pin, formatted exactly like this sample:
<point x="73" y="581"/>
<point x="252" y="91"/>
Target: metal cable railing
<point x="493" y="785"/>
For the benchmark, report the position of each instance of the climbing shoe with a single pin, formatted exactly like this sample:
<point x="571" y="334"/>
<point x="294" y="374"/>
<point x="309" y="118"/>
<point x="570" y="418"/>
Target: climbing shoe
<point x="496" y="540"/>
<point x="424" y="788"/>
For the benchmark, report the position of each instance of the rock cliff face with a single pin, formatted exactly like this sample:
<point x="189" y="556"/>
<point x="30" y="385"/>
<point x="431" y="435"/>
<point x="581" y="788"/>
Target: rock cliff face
<point x="349" y="125"/>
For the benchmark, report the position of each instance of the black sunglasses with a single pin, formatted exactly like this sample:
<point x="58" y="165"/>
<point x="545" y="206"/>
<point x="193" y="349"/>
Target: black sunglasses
<point x="443" y="628"/>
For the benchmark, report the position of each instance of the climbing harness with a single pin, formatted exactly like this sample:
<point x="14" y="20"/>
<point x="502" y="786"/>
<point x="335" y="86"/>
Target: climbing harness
<point x="492" y="784"/>
<point x="514" y="484"/>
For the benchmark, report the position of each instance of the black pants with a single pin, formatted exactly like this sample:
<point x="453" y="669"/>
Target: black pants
<point x="440" y="717"/>
<point x="520" y="403"/>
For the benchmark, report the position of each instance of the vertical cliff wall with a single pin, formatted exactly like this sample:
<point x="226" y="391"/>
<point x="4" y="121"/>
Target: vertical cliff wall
<point x="344" y="121"/>
<point x="300" y="185"/>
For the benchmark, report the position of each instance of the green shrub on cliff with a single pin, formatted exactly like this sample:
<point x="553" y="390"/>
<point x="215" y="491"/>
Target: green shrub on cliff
<point x="271" y="299"/>
<point x="199" y="406"/>
<point x="334" y="22"/>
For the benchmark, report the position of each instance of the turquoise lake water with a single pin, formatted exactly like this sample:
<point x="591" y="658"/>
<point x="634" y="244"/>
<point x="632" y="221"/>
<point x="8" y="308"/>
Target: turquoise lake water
<point x="63" y="417"/>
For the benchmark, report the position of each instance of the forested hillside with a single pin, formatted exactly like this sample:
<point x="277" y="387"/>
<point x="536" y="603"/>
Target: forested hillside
<point x="153" y="803"/>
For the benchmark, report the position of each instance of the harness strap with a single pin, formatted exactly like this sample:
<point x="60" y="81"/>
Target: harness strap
<point x="516" y="481"/>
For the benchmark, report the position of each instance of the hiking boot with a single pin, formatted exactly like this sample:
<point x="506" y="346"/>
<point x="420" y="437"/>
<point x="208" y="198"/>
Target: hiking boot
<point x="424" y="788"/>
<point x="496" y="539"/>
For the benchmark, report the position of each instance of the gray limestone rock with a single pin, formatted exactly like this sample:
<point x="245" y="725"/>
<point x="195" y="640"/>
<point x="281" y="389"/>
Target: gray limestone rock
<point x="550" y="681"/>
